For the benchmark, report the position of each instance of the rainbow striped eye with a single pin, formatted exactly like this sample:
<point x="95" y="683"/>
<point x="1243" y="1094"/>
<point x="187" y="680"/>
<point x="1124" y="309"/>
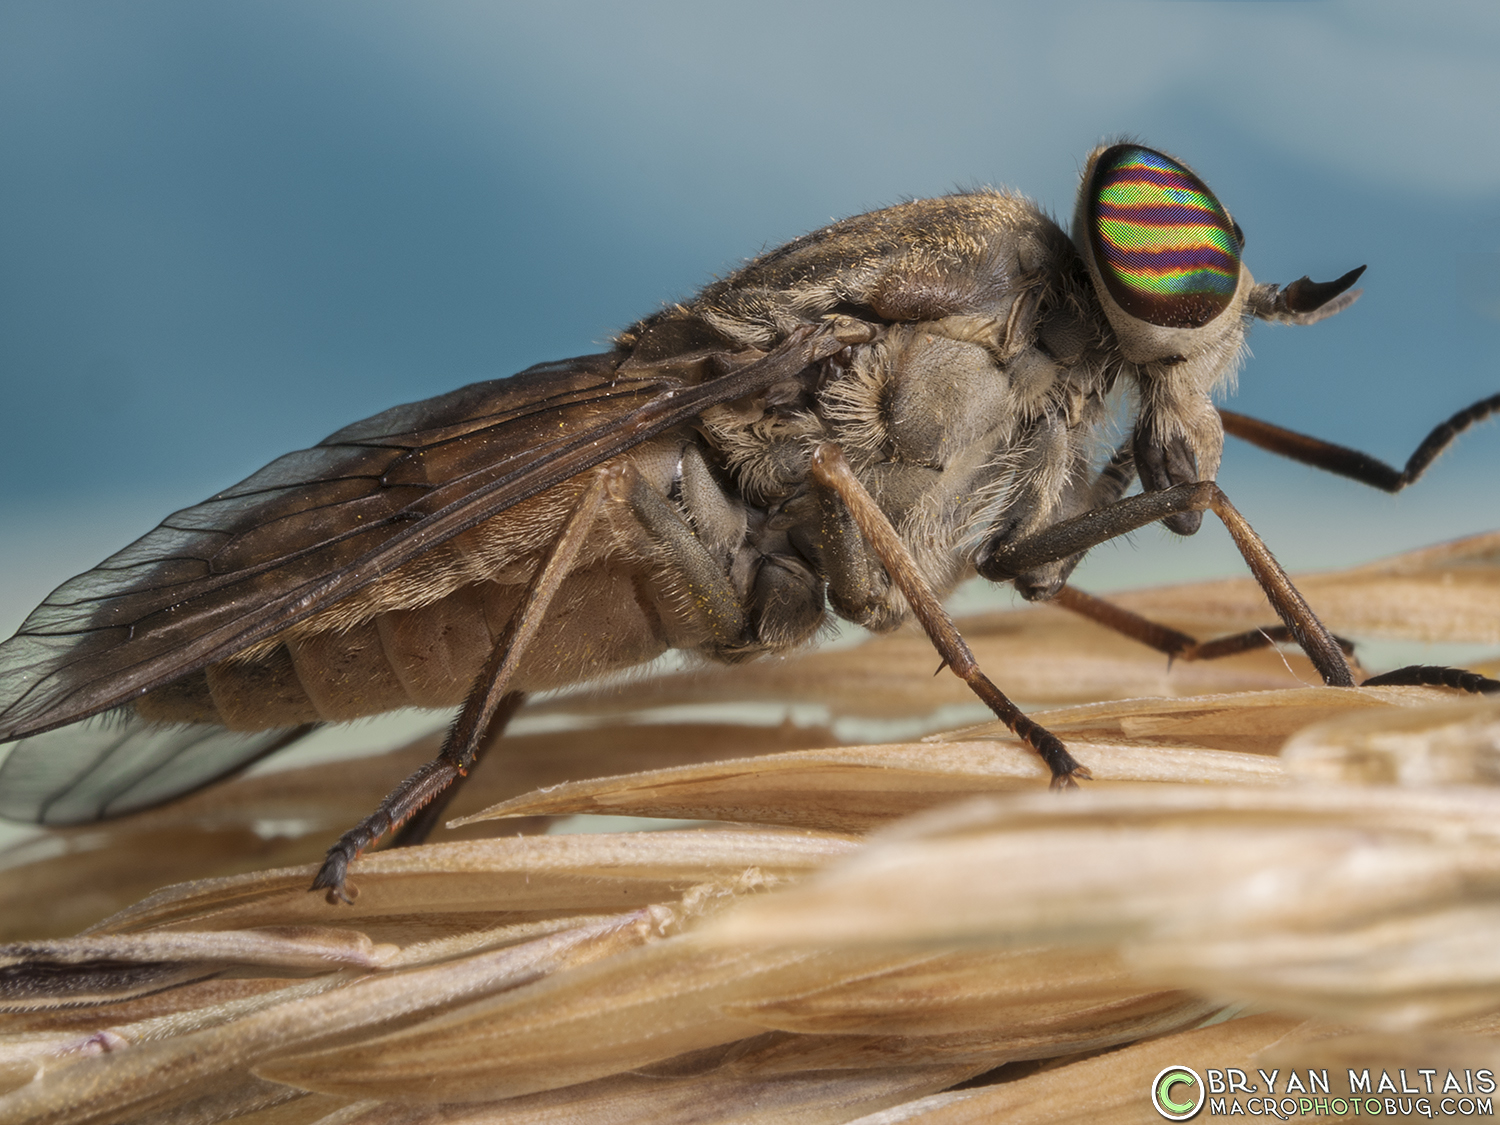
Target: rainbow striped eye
<point x="1166" y="248"/>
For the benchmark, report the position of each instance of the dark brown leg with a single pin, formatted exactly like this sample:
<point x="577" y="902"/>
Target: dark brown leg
<point x="1351" y="462"/>
<point x="486" y="700"/>
<point x="1102" y="524"/>
<point x="1177" y="645"/>
<point x="421" y="823"/>
<point x="1433" y="675"/>
<point x="830" y="469"/>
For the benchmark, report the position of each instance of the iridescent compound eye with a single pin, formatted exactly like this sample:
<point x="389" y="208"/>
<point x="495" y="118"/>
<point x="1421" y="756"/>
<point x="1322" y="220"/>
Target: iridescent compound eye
<point x="1166" y="248"/>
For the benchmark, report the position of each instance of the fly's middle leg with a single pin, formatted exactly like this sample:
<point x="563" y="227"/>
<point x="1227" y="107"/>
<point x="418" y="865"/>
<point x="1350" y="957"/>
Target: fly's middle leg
<point x="831" y="470"/>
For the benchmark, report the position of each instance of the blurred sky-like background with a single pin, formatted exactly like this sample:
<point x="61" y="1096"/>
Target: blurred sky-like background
<point x="229" y="229"/>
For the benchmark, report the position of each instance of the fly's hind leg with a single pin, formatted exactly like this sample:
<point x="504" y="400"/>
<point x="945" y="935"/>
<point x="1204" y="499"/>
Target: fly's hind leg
<point x="489" y="700"/>
<point x="708" y="599"/>
<point x="420" y="824"/>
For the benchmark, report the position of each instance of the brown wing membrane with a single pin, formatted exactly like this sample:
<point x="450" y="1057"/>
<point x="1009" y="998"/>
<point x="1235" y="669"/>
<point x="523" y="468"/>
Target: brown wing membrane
<point x="141" y="617"/>
<point x="317" y="525"/>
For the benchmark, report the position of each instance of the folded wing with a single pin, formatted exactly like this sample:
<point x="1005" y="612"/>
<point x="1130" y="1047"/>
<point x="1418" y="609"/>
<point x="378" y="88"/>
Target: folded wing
<point x="307" y="529"/>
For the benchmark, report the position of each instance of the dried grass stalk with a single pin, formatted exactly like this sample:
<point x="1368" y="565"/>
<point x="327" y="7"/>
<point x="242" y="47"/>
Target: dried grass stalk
<point x="785" y="967"/>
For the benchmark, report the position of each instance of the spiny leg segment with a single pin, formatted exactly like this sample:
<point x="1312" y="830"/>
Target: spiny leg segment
<point x="831" y="469"/>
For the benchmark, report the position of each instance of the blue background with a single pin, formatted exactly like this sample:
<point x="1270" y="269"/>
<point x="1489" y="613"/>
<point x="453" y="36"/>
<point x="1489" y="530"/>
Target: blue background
<point x="229" y="229"/>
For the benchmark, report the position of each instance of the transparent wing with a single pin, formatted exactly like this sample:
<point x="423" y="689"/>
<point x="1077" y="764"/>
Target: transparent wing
<point x="317" y="525"/>
<point x="117" y="764"/>
<point x="214" y="576"/>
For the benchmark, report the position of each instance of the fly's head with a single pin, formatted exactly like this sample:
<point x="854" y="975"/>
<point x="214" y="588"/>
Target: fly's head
<point x="1165" y="259"/>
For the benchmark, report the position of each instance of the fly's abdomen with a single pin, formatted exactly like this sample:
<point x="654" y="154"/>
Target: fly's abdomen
<point x="604" y="619"/>
<point x="436" y="651"/>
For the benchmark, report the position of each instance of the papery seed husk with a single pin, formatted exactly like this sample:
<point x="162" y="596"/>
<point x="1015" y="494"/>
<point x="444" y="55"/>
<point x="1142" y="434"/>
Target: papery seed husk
<point x="307" y="1109"/>
<point x="1022" y="993"/>
<point x="1411" y="969"/>
<point x="97" y="968"/>
<point x="1449" y="743"/>
<point x="1248" y="722"/>
<point x="633" y="1010"/>
<point x="159" y="1072"/>
<point x="510" y="874"/>
<point x="1128" y="855"/>
<point x="1377" y="1051"/>
<point x="1068" y="1029"/>
<point x="1113" y="1087"/>
<point x="796" y="1099"/>
<point x="230" y="1098"/>
<point x="861" y="787"/>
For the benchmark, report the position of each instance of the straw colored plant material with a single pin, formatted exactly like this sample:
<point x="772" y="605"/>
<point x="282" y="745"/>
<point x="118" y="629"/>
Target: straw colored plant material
<point x="1058" y="949"/>
<point x="1376" y="905"/>
<point x="1109" y="1089"/>
<point x="633" y="1010"/>
<point x="860" y="787"/>
<point x="92" y="969"/>
<point x="812" y="1096"/>
<point x="1449" y="593"/>
<point x="1218" y="739"/>
<point x="508" y="876"/>
<point x="1444" y="744"/>
<point x="57" y="884"/>
<point x="144" y="1071"/>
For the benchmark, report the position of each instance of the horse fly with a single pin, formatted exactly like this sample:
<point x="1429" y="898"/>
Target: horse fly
<point x="852" y="423"/>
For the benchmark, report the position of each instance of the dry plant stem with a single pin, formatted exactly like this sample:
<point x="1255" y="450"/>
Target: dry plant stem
<point x="831" y="469"/>
<point x="125" y="1085"/>
<point x="484" y="704"/>
<point x="1092" y="528"/>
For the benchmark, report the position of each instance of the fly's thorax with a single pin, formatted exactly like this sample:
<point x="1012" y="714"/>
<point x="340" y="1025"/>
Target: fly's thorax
<point x="965" y="253"/>
<point x="963" y="423"/>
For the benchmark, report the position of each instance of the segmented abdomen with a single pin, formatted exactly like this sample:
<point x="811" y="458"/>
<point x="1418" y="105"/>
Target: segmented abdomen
<point x="602" y="620"/>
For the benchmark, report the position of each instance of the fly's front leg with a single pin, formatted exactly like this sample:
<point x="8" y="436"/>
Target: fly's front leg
<point x="831" y="470"/>
<point x="1352" y="463"/>
<point x="1080" y="533"/>
<point x="1049" y="585"/>
<point x="1008" y="560"/>
<point x="705" y="591"/>
<point x="489" y="701"/>
<point x="1176" y="644"/>
<point x="1326" y="651"/>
